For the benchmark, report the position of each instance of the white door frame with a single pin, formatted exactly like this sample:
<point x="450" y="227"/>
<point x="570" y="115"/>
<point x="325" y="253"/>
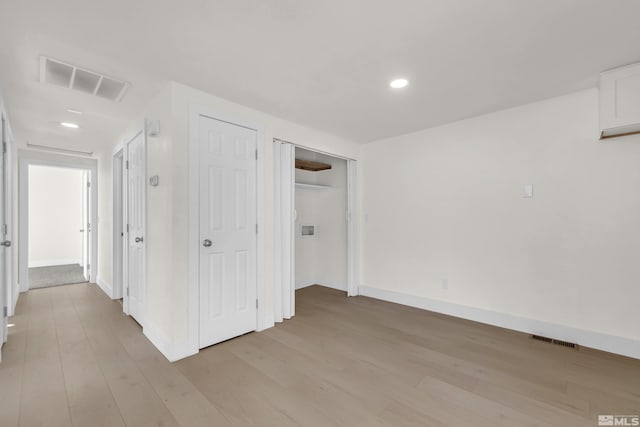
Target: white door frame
<point x="118" y="225"/>
<point x="11" y="297"/>
<point x="39" y="158"/>
<point x="125" y="252"/>
<point x="284" y="252"/>
<point x="263" y="321"/>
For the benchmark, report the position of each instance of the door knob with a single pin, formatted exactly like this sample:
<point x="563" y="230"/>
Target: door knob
<point x="206" y="243"/>
<point x="6" y="243"/>
<point x="139" y="239"/>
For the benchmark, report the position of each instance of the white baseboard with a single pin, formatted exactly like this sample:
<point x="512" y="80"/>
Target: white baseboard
<point x="52" y="262"/>
<point x="169" y="350"/>
<point x="304" y="285"/>
<point x="325" y="283"/>
<point x="597" y="340"/>
<point x="105" y="286"/>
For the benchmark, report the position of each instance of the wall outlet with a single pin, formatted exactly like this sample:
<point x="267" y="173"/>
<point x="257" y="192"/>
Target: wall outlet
<point x="444" y="283"/>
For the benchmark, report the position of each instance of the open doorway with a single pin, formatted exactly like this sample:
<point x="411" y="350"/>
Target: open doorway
<point x="315" y="227"/>
<point x="58" y="226"/>
<point x="58" y="211"/>
<point x="320" y="219"/>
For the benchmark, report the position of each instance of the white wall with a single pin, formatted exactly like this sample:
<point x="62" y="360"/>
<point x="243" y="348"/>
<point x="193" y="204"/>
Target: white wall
<point x="306" y="248"/>
<point x="322" y="259"/>
<point x="445" y="203"/>
<point x="55" y="216"/>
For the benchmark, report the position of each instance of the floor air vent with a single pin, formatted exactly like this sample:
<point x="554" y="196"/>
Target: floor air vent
<point x="70" y="76"/>
<point x="556" y="342"/>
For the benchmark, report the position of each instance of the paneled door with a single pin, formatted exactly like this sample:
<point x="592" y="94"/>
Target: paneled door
<point x="135" y="275"/>
<point x="86" y="226"/>
<point x="227" y="186"/>
<point x="5" y="243"/>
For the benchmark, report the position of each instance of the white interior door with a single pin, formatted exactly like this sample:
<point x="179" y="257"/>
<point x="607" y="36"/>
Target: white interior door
<point x="118" y="222"/>
<point x="86" y="226"/>
<point x="228" y="229"/>
<point x="135" y="236"/>
<point x="284" y="296"/>
<point x="4" y="243"/>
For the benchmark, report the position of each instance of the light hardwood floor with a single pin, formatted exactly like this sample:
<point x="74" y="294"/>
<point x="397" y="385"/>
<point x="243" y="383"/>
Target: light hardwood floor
<point x="74" y="359"/>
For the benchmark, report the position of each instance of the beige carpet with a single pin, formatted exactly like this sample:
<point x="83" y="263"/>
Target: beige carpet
<point x="43" y="277"/>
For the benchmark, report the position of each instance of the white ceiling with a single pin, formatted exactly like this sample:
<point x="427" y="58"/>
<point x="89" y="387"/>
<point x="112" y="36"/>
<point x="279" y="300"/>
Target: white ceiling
<point x="325" y="63"/>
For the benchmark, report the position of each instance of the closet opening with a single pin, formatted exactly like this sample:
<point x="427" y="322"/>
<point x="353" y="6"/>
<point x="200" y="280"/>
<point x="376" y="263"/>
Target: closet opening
<point x="320" y="220"/>
<point x="315" y="226"/>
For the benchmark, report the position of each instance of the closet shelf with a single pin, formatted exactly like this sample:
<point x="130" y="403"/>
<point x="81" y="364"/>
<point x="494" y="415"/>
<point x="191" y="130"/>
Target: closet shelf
<point x="315" y="187"/>
<point x="310" y="165"/>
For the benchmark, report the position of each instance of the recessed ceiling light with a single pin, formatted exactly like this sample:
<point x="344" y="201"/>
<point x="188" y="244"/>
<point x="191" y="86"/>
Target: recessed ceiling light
<point x="75" y="111"/>
<point x="69" y="125"/>
<point x="399" y="83"/>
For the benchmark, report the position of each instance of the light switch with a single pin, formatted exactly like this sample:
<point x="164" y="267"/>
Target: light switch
<point x="527" y="191"/>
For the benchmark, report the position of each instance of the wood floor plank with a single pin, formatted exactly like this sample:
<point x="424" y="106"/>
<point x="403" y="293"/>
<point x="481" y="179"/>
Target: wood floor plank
<point x="73" y="358"/>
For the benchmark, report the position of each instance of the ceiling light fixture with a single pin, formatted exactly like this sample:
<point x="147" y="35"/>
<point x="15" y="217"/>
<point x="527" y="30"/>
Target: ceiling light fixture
<point x="69" y="125"/>
<point x="399" y="83"/>
<point x="74" y="111"/>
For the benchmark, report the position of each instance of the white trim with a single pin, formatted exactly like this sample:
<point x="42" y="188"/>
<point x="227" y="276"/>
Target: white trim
<point x="315" y="150"/>
<point x="117" y="172"/>
<point x="105" y="286"/>
<point x="264" y="320"/>
<point x="54" y="262"/>
<point x="352" y="228"/>
<point x="29" y="157"/>
<point x="597" y="340"/>
<point x="171" y="351"/>
<point x="323" y="283"/>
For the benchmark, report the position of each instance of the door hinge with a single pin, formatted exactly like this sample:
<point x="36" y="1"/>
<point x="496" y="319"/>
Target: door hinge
<point x="4" y="147"/>
<point x="126" y="164"/>
<point x="127" y="228"/>
<point x="6" y="229"/>
<point x="256" y="228"/>
<point x="256" y="154"/>
<point x="127" y="291"/>
<point x="5" y="311"/>
<point x="88" y="266"/>
<point x="256" y="303"/>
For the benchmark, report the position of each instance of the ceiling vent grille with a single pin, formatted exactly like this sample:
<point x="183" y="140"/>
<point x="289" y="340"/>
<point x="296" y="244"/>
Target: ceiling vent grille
<point x="554" y="341"/>
<point x="59" y="73"/>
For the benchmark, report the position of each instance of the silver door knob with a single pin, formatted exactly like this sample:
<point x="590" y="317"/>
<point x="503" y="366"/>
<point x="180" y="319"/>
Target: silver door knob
<point x="139" y="239"/>
<point x="6" y="243"/>
<point x="206" y="243"/>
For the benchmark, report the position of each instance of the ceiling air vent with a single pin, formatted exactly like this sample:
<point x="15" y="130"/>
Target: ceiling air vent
<point x="59" y="73"/>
